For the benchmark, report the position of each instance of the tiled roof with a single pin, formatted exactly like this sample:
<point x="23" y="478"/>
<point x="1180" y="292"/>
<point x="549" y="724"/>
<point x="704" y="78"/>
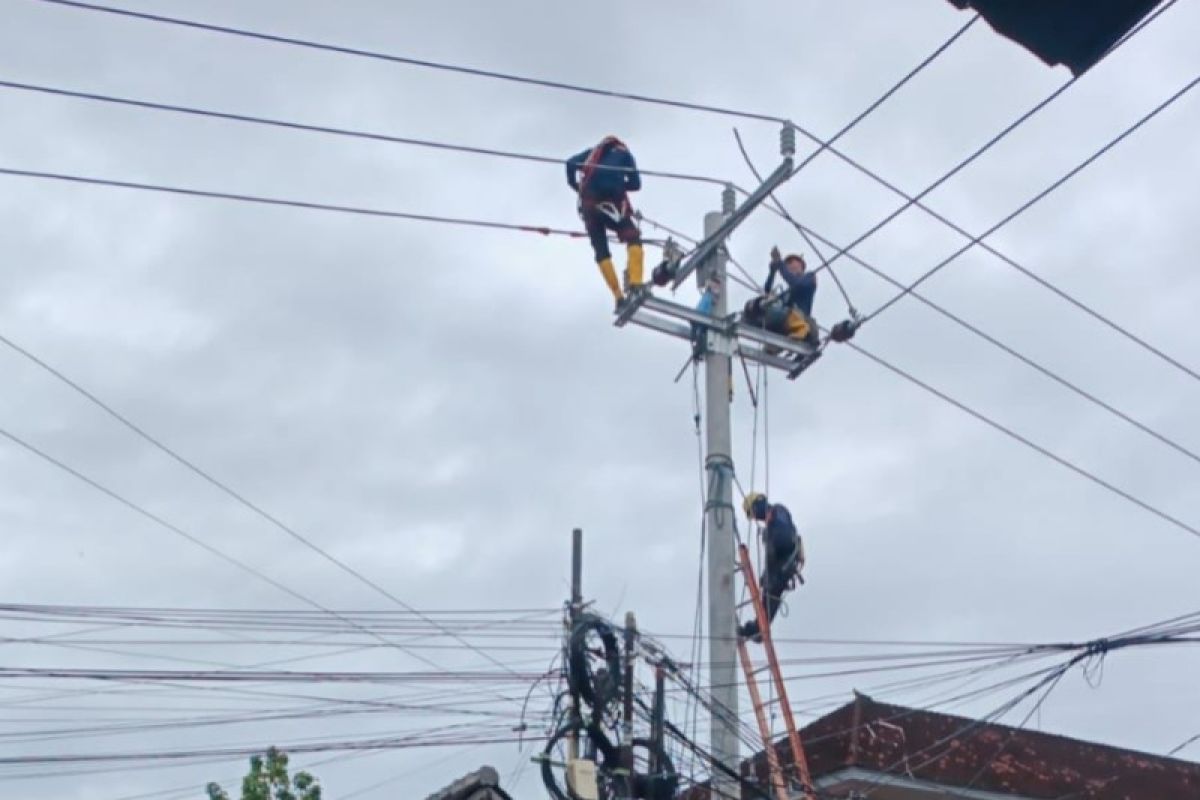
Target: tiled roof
<point x="953" y="751"/>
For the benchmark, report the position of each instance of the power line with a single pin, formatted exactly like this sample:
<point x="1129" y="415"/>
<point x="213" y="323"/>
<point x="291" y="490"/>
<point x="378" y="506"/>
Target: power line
<point x="417" y="62"/>
<point x="545" y="159"/>
<point x="333" y="131"/>
<point x="246" y="198"/>
<point x="1078" y="470"/>
<point x="1089" y="652"/>
<point x="960" y="166"/>
<point x="849" y="126"/>
<point x="1189" y="741"/>
<point x="1028" y="361"/>
<point x="975" y="240"/>
<point x="824" y="145"/>
<point x="1042" y="194"/>
<point x="387" y="743"/>
<point x="235" y="495"/>
<point x="164" y="523"/>
<point x="809" y="235"/>
<point x="255" y="676"/>
<point x="302" y="620"/>
<point x="915" y="201"/>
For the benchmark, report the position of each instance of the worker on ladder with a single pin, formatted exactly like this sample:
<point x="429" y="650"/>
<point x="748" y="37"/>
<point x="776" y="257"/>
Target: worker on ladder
<point x="790" y="313"/>
<point x="603" y="176"/>
<point x="785" y="556"/>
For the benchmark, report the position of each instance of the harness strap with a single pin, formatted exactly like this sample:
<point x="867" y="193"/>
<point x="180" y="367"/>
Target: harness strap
<point x="593" y="159"/>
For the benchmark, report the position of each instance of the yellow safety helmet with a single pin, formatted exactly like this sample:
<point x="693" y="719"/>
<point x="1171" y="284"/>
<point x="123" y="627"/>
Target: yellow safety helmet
<point x="751" y="499"/>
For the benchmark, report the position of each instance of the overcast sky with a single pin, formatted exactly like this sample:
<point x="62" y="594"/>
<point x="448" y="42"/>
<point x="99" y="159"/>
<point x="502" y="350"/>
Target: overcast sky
<point x="438" y="406"/>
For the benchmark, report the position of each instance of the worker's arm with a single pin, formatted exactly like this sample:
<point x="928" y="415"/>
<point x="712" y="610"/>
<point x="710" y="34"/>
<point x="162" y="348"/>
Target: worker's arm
<point x="574" y="163"/>
<point x="633" y="178"/>
<point x="775" y="265"/>
<point x="804" y="282"/>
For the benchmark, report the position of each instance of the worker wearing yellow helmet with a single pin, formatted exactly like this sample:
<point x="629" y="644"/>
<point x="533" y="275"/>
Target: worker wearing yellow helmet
<point x="785" y="556"/>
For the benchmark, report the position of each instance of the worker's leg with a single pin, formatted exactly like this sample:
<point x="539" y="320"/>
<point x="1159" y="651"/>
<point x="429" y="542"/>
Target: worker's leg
<point x="797" y="325"/>
<point x="803" y="327"/>
<point x="598" y="235"/>
<point x="627" y="232"/>
<point x="750" y="629"/>
<point x="774" y="585"/>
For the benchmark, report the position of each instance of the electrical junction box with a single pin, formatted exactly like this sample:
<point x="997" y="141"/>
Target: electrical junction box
<point x="581" y="778"/>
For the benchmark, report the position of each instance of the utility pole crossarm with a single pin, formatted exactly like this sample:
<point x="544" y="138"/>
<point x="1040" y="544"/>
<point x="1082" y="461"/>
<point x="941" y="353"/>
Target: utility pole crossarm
<point x="657" y="305"/>
<point x="717" y="238"/>
<point x="782" y="344"/>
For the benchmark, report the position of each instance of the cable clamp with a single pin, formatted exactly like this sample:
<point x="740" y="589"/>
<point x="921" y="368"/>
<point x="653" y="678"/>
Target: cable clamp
<point x="719" y="461"/>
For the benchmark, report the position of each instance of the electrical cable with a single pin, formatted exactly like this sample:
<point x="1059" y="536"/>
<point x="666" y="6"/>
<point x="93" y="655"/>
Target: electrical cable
<point x="823" y="144"/>
<point x="1009" y="432"/>
<point x="1042" y="194"/>
<point x="151" y="105"/>
<point x="275" y="201"/>
<point x="230" y="492"/>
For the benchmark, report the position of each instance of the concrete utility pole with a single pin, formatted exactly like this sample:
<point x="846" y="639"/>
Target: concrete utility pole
<point x="722" y="338"/>
<point x="722" y="623"/>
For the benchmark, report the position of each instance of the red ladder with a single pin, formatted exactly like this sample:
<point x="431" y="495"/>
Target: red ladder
<point x="779" y="782"/>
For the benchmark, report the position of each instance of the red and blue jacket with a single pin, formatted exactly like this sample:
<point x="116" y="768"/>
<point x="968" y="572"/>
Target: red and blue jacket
<point x="604" y="172"/>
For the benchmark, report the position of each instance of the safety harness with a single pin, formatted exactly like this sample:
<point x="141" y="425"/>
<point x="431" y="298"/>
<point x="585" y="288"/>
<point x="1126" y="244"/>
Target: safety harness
<point x="790" y="567"/>
<point x="593" y="160"/>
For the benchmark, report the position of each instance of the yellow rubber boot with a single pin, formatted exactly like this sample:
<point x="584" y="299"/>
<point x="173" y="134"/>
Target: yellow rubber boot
<point x="637" y="261"/>
<point x="609" y="273"/>
<point x="797" y="325"/>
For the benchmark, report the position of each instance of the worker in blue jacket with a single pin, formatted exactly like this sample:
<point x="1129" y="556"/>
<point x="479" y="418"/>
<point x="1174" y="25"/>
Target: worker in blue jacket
<point x="785" y="556"/>
<point x="603" y="176"/>
<point x="790" y="312"/>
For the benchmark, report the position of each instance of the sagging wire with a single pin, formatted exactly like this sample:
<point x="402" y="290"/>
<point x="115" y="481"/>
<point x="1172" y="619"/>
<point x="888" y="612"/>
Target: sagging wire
<point x="799" y="228"/>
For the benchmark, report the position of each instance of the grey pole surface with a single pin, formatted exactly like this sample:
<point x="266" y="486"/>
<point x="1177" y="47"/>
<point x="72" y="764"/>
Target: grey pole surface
<point x="719" y="519"/>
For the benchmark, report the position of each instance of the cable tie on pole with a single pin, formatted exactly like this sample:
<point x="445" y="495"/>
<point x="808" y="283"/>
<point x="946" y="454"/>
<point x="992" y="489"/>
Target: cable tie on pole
<point x="719" y="461"/>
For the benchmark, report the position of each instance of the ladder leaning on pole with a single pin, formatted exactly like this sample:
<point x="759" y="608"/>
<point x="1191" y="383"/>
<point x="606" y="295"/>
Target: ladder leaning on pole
<point x="779" y="782"/>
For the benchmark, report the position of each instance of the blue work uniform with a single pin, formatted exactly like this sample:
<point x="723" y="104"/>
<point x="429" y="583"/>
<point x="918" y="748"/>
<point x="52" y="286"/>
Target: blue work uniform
<point x="782" y="543"/>
<point x="602" y="175"/>
<point x="613" y="174"/>
<point x="802" y="288"/>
